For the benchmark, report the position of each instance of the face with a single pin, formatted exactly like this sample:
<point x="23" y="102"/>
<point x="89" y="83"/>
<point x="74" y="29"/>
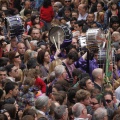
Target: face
<point x="66" y="114"/>
<point x="94" y="103"/>
<point x="17" y="58"/>
<point x="109" y="101"/>
<point x="77" y="28"/>
<point x="21" y="48"/>
<point x="81" y="9"/>
<point x="74" y="42"/>
<point x="55" y="7"/>
<point x="64" y="75"/>
<point x="86" y="102"/>
<point x="72" y="23"/>
<point x="96" y="56"/>
<point x="15" y="91"/>
<point x="13" y="42"/>
<point x="37" y="20"/>
<point x="115" y="26"/>
<point x="47" y="57"/>
<point x="14" y="72"/>
<point x="8" y="116"/>
<point x="114" y="6"/>
<point x="67" y="13"/>
<point x="35" y="34"/>
<point x="3" y="75"/>
<point x="75" y="15"/>
<point x="67" y="2"/>
<point x="89" y="85"/>
<point x="70" y="61"/>
<point x="99" y="7"/>
<point x="90" y="18"/>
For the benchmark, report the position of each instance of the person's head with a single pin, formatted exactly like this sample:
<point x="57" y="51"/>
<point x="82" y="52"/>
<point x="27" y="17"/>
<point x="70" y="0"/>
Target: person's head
<point x="67" y="11"/>
<point x="115" y="36"/>
<point x="11" y="110"/>
<point x="27" y="14"/>
<point x="100" y="6"/>
<point x="108" y="97"/>
<point x="72" y="21"/>
<point x="100" y="114"/>
<point x="4" y="61"/>
<point x="14" y="57"/>
<point x="74" y="42"/>
<point x="83" y="96"/>
<point x="3" y="73"/>
<point x="29" y="111"/>
<point x="46" y="3"/>
<point x="95" y="103"/>
<point x="57" y="6"/>
<point x="13" y="42"/>
<point x="43" y="56"/>
<point x="3" y="117"/>
<point x="35" y="19"/>
<point x="32" y="63"/>
<point x="79" y="110"/>
<point x="35" y="33"/>
<point x="74" y="14"/>
<point x="114" y="23"/>
<point x="60" y="72"/>
<point x="12" y="70"/>
<point x="27" y="4"/>
<point x="28" y="117"/>
<point x="90" y="17"/>
<point x="86" y="83"/>
<point x="82" y="8"/>
<point x="43" y="103"/>
<point x="53" y="64"/>
<point x="72" y="57"/>
<point x="11" y="88"/>
<point x="61" y="112"/>
<point x="114" y="6"/>
<point x="117" y="57"/>
<point x="5" y="112"/>
<point x="21" y="48"/>
<point x="67" y="3"/>
<point x="98" y="75"/>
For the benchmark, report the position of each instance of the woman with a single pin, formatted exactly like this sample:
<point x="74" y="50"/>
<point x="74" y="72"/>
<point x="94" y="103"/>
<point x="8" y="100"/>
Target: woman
<point x="43" y="59"/>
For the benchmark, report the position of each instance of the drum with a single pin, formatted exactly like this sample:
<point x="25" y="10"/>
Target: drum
<point x="95" y="36"/>
<point x="60" y="33"/>
<point x="14" y="25"/>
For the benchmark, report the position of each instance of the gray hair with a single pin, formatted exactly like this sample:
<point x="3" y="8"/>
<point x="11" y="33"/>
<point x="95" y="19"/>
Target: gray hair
<point x="100" y="113"/>
<point x="96" y="72"/>
<point x="59" y="111"/>
<point x="59" y="69"/>
<point x="77" y="109"/>
<point x="41" y="102"/>
<point x="59" y="4"/>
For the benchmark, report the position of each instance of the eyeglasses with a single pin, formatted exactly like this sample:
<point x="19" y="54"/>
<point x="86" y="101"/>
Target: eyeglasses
<point x="17" y="56"/>
<point x="67" y="1"/>
<point x="108" y="101"/>
<point x="92" y="103"/>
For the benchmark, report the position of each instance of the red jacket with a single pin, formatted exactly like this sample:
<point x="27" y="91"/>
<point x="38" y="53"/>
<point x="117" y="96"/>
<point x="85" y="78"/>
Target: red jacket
<point x="40" y="83"/>
<point x="46" y="14"/>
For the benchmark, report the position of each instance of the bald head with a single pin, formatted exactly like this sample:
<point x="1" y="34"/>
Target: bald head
<point x="97" y="73"/>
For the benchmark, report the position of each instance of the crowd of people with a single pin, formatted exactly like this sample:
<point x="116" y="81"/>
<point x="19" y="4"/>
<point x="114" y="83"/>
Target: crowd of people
<point x="45" y="80"/>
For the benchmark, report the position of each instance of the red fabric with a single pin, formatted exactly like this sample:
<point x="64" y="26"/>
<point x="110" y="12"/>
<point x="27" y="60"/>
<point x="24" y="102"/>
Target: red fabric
<point x="46" y="14"/>
<point x="40" y="83"/>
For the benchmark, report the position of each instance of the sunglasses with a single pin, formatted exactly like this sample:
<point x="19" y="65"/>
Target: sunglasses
<point x="108" y="101"/>
<point x="67" y="1"/>
<point x="17" y="56"/>
<point x="93" y="103"/>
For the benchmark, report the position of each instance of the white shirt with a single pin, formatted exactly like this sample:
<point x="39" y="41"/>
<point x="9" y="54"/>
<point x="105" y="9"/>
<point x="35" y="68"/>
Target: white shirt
<point x="80" y="118"/>
<point x="80" y="17"/>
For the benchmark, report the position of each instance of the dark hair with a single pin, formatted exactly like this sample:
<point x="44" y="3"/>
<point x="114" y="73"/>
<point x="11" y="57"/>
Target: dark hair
<point x="67" y="9"/>
<point x="117" y="57"/>
<point x="1" y="93"/>
<point x="11" y="56"/>
<point x="58" y="87"/>
<point x="28" y="117"/>
<point x="71" y="95"/>
<point x="101" y="3"/>
<point x="3" y="61"/>
<point x="27" y="11"/>
<point x="42" y="118"/>
<point x="78" y="73"/>
<point x="114" y="19"/>
<point x="72" y="19"/>
<point x="2" y="69"/>
<point x="31" y="29"/>
<point x="73" y="55"/>
<point x="83" y="81"/>
<point x="29" y="111"/>
<point x="108" y="93"/>
<point x="40" y="56"/>
<point x="9" y="68"/>
<point x="46" y="3"/>
<point x="3" y="117"/>
<point x="10" y="86"/>
<point x="33" y="17"/>
<point x="10" y="100"/>
<point x="81" y="23"/>
<point x="32" y="63"/>
<point x="11" y="110"/>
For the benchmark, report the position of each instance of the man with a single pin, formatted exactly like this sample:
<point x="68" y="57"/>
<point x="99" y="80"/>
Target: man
<point x="60" y="73"/>
<point x="83" y="96"/>
<point x="12" y="72"/>
<point x="100" y="114"/>
<point x="21" y="50"/>
<point x="98" y="77"/>
<point x="82" y="9"/>
<point x="74" y="42"/>
<point x="11" y="89"/>
<point x="35" y="34"/>
<point x="80" y="112"/>
<point x="42" y="105"/>
<point x="86" y="84"/>
<point x="69" y="63"/>
<point x="61" y="112"/>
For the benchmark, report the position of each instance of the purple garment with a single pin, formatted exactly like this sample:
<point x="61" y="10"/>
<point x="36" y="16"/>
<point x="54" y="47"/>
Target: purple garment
<point x="118" y="71"/>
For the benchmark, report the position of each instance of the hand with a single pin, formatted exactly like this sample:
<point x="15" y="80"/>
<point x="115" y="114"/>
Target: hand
<point x="2" y="37"/>
<point x="24" y="36"/>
